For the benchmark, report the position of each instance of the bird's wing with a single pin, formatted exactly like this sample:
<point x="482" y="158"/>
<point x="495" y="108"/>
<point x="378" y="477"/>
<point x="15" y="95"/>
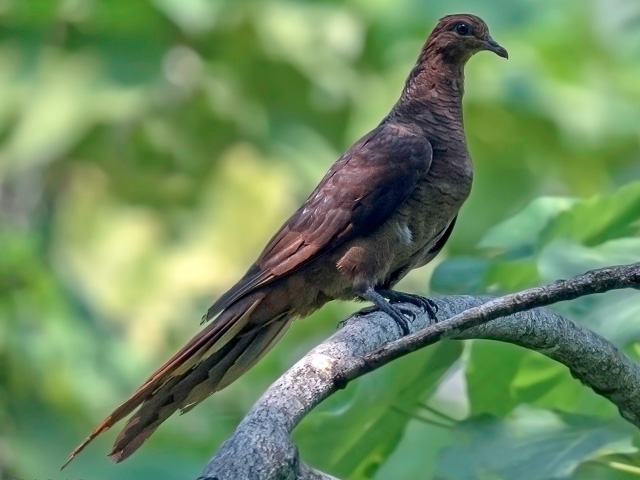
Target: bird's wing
<point x="362" y="189"/>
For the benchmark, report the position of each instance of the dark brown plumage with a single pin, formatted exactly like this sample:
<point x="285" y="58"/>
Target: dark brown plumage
<point x="386" y="206"/>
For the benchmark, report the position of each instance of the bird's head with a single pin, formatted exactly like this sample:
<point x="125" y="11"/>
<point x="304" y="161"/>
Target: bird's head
<point x="457" y="37"/>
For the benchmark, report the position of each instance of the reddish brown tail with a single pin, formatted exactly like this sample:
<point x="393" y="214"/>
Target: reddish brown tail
<point x="213" y="359"/>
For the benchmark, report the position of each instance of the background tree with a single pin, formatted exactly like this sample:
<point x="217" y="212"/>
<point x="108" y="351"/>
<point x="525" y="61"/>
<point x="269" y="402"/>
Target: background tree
<point x="149" y="148"/>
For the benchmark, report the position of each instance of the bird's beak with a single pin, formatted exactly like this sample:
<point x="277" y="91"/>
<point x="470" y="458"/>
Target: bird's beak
<point x="493" y="46"/>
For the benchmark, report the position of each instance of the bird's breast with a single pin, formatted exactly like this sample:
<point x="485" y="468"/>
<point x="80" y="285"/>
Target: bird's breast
<point x="433" y="205"/>
<point x="399" y="243"/>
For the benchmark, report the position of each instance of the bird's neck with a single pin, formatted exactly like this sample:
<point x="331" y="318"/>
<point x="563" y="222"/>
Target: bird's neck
<point x="433" y="92"/>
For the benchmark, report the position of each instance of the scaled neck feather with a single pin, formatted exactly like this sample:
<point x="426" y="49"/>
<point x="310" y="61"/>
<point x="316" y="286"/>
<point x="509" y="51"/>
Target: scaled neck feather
<point x="435" y="85"/>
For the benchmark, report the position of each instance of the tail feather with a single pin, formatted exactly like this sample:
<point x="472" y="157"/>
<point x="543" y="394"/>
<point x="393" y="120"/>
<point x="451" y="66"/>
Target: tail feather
<point x="263" y="341"/>
<point x="212" y="374"/>
<point x="217" y="347"/>
<point x="164" y="403"/>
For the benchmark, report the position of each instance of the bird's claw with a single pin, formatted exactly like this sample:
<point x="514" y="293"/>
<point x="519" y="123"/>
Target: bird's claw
<point x="402" y="320"/>
<point x="431" y="308"/>
<point x="428" y="306"/>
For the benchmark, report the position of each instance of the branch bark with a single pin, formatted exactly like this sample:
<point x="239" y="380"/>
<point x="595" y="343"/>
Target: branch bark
<point x="261" y="448"/>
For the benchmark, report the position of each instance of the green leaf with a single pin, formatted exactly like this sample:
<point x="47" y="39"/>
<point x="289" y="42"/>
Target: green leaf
<point x="417" y="454"/>
<point x="501" y="377"/>
<point x="512" y="275"/>
<point x="545" y="383"/>
<point x="519" y="235"/>
<point x="530" y="445"/>
<point x="491" y="369"/>
<point x="599" y="218"/>
<point x="461" y="275"/>
<point x="353" y="432"/>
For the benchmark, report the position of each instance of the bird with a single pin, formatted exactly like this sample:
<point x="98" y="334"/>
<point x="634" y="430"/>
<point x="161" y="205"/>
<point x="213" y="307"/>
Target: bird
<point x="386" y="207"/>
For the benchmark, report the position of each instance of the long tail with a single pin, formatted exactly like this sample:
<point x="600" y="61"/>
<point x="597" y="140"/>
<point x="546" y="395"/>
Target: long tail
<point x="213" y="359"/>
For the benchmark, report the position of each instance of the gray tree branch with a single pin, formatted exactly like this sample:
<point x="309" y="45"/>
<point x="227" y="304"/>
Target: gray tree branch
<point x="261" y="447"/>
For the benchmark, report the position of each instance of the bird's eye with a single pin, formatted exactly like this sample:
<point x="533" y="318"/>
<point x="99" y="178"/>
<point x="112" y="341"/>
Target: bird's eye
<point x="462" y="29"/>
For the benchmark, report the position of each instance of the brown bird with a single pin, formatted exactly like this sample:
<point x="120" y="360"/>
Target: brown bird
<point x="387" y="206"/>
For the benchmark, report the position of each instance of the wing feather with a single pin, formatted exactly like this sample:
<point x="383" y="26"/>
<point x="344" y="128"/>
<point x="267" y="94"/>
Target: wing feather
<point x="362" y="189"/>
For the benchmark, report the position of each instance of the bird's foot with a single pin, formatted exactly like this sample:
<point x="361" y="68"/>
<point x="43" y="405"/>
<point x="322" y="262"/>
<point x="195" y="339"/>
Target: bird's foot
<point x="404" y="317"/>
<point x="425" y="304"/>
<point x="400" y="315"/>
<point x="394" y="311"/>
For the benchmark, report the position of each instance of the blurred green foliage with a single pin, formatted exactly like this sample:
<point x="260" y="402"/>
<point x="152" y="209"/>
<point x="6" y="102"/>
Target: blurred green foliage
<point x="149" y="148"/>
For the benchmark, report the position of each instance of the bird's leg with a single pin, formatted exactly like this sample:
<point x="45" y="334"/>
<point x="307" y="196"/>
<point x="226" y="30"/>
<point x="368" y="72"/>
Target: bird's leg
<point x="378" y="300"/>
<point x="427" y="305"/>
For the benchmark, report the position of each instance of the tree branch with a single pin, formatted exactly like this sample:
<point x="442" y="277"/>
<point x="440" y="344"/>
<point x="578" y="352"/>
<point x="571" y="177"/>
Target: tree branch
<point x="261" y="448"/>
